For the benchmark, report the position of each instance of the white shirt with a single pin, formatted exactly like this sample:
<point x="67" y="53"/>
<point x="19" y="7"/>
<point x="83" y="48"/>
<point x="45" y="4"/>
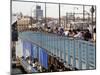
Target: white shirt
<point x="94" y="36"/>
<point x="79" y="35"/>
<point x="29" y="68"/>
<point x="40" y="68"/>
<point x="29" y="61"/>
<point x="33" y="65"/>
<point x="66" y="33"/>
<point x="90" y="28"/>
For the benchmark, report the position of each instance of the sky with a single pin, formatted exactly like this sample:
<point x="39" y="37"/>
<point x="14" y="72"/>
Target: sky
<point x="52" y="9"/>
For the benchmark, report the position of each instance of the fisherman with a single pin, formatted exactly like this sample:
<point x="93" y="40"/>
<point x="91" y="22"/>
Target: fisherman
<point x="61" y="31"/>
<point x="39" y="68"/>
<point x="94" y="35"/>
<point x="66" y="33"/>
<point x="79" y="34"/>
<point x="33" y="64"/>
<point x="87" y="35"/>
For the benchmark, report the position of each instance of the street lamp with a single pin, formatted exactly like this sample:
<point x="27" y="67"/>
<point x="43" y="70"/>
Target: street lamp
<point x="92" y="11"/>
<point x="83" y="12"/>
<point x="45" y="16"/>
<point x="31" y="14"/>
<point x="88" y="15"/>
<point x="74" y="12"/>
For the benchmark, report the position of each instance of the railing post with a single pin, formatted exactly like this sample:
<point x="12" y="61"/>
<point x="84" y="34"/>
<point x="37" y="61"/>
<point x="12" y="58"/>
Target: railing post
<point x="60" y="47"/>
<point x="64" y="50"/>
<point x="74" y="55"/>
<point x="87" y="63"/>
<point x="69" y="59"/>
<point x="80" y="56"/>
<point x="56" y="45"/>
<point x="53" y="45"/>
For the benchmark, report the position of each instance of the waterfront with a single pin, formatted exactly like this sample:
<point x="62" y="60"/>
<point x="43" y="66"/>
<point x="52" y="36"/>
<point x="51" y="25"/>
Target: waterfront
<point x="45" y="42"/>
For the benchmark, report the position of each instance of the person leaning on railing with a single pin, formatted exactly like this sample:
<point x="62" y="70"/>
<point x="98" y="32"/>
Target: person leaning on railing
<point x="94" y="35"/>
<point x="78" y="34"/>
<point x="87" y="35"/>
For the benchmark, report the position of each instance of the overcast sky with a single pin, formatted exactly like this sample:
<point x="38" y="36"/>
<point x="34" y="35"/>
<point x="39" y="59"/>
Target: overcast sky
<point x="52" y="9"/>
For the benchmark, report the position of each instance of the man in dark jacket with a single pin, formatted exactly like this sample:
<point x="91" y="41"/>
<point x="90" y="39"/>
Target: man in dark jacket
<point x="87" y="35"/>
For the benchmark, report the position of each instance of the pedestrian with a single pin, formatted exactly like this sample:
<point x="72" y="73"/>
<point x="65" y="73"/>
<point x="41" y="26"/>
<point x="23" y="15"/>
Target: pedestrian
<point x="33" y="64"/>
<point x="79" y="34"/>
<point x="66" y="32"/>
<point x="87" y="35"/>
<point x="39" y="68"/>
<point x="70" y="33"/>
<point x="94" y="35"/>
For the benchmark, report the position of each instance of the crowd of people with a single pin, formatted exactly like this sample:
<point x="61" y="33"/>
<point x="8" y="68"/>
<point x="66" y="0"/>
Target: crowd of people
<point x="75" y="33"/>
<point x="54" y="65"/>
<point x="85" y="34"/>
<point x="34" y="63"/>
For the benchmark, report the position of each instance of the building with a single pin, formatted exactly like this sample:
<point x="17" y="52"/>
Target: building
<point x="24" y="23"/>
<point x="38" y="13"/>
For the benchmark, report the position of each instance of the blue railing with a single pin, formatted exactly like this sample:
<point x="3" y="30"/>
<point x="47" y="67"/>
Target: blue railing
<point x="75" y="52"/>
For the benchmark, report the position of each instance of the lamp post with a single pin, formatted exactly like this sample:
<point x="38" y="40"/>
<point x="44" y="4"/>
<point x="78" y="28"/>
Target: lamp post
<point x="83" y="12"/>
<point x="59" y="16"/>
<point x="74" y="13"/>
<point x="66" y="19"/>
<point x="92" y="11"/>
<point x="31" y="14"/>
<point x="88" y="15"/>
<point x="31" y="17"/>
<point x="45" y="16"/>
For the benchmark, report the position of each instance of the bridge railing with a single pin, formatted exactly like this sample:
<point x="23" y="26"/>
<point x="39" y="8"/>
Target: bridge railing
<point x="75" y="53"/>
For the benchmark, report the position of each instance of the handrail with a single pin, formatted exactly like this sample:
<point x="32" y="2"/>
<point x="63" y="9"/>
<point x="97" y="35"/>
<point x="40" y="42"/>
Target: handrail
<point x="81" y="49"/>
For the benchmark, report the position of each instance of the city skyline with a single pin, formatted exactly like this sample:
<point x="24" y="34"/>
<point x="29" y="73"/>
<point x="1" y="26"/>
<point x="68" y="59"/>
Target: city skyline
<point x="52" y="10"/>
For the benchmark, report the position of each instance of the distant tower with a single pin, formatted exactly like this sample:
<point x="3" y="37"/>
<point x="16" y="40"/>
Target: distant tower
<point x="38" y="13"/>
